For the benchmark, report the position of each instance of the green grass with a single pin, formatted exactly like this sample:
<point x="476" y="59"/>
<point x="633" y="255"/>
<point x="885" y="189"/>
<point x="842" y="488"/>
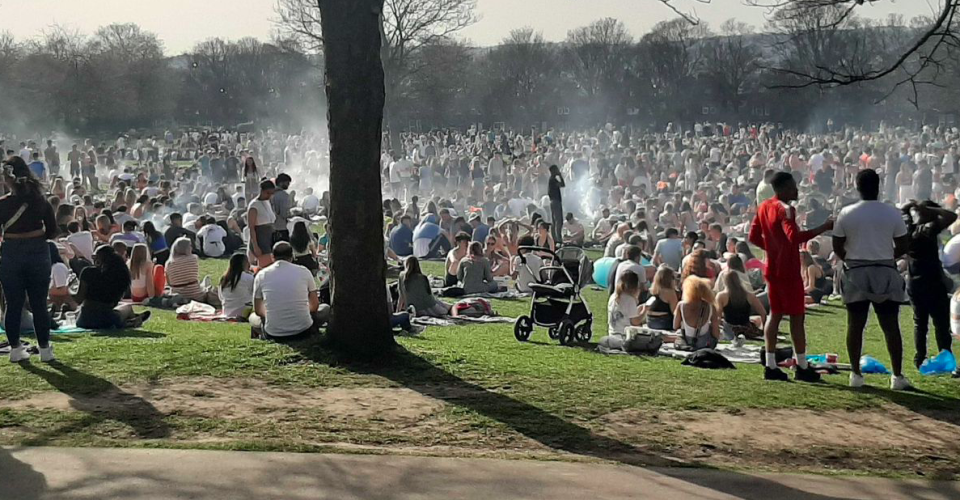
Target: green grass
<point x="540" y="390"/>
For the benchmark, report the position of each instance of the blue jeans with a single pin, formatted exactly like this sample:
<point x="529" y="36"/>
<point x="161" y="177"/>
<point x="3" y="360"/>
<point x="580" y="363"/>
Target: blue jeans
<point x="25" y="274"/>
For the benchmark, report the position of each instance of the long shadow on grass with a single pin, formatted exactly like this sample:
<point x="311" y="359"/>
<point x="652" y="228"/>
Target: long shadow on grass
<point x="418" y="374"/>
<point x="101" y="400"/>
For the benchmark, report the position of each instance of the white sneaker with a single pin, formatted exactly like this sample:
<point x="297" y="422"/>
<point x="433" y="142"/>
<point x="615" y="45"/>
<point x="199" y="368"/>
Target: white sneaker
<point x="46" y="354"/>
<point x="856" y="380"/>
<point x="900" y="383"/>
<point x="19" y="354"/>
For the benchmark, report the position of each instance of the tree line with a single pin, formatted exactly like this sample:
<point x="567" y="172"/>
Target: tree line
<point x="120" y="77"/>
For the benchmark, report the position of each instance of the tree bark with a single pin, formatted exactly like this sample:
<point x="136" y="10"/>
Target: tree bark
<point x="355" y="97"/>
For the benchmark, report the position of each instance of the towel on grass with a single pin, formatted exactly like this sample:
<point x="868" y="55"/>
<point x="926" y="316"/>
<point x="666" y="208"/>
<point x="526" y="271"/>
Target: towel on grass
<point x="459" y="320"/>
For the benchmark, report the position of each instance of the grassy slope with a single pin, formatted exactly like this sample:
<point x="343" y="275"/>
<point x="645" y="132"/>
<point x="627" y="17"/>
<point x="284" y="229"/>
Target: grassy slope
<point x="536" y="383"/>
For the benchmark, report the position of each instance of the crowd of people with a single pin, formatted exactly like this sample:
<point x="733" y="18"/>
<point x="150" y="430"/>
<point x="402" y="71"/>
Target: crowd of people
<point x="684" y="213"/>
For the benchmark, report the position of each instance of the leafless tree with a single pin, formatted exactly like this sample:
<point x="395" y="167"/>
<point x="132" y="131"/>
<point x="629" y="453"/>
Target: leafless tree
<point x="407" y="27"/>
<point x="674" y="52"/>
<point x="731" y="61"/>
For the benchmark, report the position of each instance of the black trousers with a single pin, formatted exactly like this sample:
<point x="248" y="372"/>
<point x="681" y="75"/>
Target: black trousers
<point x="930" y="303"/>
<point x="556" y="214"/>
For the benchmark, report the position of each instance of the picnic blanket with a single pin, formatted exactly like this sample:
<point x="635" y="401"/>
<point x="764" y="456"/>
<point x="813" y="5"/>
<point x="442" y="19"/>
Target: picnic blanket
<point x="65" y="329"/>
<point x="745" y="354"/>
<point x="198" y="311"/>
<point x="459" y="320"/>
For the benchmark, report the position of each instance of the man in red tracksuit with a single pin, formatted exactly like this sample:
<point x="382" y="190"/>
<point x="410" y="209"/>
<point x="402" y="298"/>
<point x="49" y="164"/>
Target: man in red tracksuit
<point x="775" y="230"/>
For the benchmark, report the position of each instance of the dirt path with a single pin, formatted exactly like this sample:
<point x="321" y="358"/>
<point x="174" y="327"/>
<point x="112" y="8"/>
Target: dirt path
<point x="891" y="440"/>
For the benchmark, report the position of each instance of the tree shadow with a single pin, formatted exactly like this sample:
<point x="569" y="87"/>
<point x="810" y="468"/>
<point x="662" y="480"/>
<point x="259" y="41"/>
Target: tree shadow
<point x="101" y="400"/>
<point x="413" y="372"/>
<point x="21" y="481"/>
<point x="133" y="333"/>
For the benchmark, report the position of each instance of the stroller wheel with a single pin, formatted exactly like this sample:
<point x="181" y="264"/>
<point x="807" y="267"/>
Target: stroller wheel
<point x="584" y="332"/>
<point x="523" y="328"/>
<point x="554" y="332"/>
<point x="568" y="333"/>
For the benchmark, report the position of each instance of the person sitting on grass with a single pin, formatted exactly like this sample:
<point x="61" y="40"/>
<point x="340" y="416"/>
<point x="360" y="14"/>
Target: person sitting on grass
<point x="738" y="302"/>
<point x="236" y="288"/>
<point x="304" y="248"/>
<point x="59" y="297"/>
<point x="141" y="274"/>
<point x="623" y="307"/>
<point x="663" y="299"/>
<point x="455" y="256"/>
<point x="415" y="292"/>
<point x="183" y="274"/>
<point x="285" y="300"/>
<point x="528" y="273"/>
<point x="475" y="274"/>
<point x="102" y="286"/>
<point x="696" y="316"/>
<point x="815" y="284"/>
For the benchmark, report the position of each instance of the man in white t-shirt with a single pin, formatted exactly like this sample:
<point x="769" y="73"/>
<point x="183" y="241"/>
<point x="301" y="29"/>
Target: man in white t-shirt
<point x="868" y="237"/>
<point x="82" y="241"/>
<point x="211" y="237"/>
<point x="631" y="264"/>
<point x="285" y="301"/>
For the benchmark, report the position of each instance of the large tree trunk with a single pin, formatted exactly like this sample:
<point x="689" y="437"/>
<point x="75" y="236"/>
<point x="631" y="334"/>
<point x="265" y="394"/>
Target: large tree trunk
<point x="355" y="97"/>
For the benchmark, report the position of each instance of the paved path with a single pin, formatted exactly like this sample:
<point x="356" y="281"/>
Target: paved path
<point x="104" y="474"/>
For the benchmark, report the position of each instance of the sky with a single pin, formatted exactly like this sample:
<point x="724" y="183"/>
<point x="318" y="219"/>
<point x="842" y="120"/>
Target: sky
<point x="183" y="23"/>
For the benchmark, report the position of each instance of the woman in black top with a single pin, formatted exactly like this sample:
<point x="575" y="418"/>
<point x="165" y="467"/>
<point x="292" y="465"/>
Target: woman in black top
<point x="102" y="286"/>
<point x="927" y="286"/>
<point x="28" y="222"/>
<point x="556" y="203"/>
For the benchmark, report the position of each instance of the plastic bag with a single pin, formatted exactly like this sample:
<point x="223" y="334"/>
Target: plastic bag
<point x="942" y="363"/>
<point x="869" y="364"/>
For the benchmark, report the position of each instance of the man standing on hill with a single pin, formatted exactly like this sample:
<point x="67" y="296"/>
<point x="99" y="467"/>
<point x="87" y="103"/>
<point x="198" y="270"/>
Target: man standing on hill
<point x="870" y="236"/>
<point x="775" y="230"/>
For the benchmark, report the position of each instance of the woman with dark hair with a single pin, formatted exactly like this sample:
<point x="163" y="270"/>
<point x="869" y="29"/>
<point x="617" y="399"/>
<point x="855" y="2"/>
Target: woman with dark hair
<point x="156" y="242"/>
<point x="102" y="286"/>
<point x="304" y="248"/>
<point x="236" y="288"/>
<point x="28" y="222"/>
<point x="64" y="215"/>
<point x="556" y="203"/>
<point x="415" y="292"/>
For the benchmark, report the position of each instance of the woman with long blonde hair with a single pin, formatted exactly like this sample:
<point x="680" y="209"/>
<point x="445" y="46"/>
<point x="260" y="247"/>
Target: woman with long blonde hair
<point x="141" y="273"/>
<point x="696" y="316"/>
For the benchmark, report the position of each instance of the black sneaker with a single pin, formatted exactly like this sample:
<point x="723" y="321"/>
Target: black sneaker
<point x="807" y="375"/>
<point x="775" y="374"/>
<point x="956" y="374"/>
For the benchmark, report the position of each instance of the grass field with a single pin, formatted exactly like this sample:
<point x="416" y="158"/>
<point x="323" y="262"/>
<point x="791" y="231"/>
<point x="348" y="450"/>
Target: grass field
<point x="475" y="390"/>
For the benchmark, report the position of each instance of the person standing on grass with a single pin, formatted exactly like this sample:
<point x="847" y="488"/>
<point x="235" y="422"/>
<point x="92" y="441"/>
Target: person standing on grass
<point x="775" y="230"/>
<point x="928" y="288"/>
<point x="556" y="203"/>
<point x="869" y="237"/>
<point x="28" y="222"/>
